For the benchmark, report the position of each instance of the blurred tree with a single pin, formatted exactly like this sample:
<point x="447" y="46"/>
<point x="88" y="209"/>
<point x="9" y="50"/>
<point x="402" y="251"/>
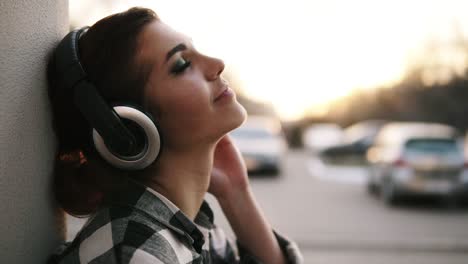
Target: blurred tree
<point x="434" y="90"/>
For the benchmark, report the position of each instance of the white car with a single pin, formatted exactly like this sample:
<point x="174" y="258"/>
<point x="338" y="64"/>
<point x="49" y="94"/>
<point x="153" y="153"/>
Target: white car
<point x="318" y="137"/>
<point x="262" y="144"/>
<point x="417" y="159"/>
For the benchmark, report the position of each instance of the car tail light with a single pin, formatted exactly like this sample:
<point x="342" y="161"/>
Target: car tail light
<point x="400" y="163"/>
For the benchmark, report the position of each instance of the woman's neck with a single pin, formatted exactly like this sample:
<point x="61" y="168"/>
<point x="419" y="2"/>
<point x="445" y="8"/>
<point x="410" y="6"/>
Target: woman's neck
<point x="183" y="177"/>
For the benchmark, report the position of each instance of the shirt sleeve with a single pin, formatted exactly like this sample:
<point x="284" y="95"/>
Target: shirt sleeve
<point x="289" y="248"/>
<point x="223" y="248"/>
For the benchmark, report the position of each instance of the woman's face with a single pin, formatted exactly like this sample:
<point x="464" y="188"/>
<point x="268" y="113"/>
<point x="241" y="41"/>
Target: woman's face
<point x="191" y="103"/>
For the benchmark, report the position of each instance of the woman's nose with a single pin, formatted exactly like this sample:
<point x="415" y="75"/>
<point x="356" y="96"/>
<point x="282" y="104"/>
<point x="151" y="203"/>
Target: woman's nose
<point x="215" y="68"/>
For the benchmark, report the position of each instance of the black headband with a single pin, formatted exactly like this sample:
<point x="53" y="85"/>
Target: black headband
<point x="86" y="97"/>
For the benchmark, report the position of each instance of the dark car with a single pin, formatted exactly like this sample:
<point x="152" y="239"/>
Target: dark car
<point x="358" y="138"/>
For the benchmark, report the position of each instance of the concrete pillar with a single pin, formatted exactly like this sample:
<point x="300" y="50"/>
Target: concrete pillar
<point x="29" y="29"/>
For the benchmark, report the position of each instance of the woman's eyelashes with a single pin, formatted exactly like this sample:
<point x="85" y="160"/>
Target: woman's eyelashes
<point x="180" y="65"/>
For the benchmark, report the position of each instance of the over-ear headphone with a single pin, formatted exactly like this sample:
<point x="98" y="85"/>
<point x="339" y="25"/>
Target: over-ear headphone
<point x="123" y="135"/>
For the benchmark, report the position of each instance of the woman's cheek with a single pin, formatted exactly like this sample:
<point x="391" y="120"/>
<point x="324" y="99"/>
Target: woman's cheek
<point x="192" y="98"/>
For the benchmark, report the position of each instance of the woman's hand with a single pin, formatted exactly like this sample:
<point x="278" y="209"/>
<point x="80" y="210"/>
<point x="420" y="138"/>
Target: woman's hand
<point x="230" y="185"/>
<point x="229" y="173"/>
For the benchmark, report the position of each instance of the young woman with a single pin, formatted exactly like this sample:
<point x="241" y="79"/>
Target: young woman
<point x="154" y="211"/>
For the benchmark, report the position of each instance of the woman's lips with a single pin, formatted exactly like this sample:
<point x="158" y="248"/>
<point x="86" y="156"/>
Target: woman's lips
<point x="226" y="93"/>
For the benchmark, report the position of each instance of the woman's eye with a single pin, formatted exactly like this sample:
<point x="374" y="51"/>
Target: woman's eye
<point x="180" y="65"/>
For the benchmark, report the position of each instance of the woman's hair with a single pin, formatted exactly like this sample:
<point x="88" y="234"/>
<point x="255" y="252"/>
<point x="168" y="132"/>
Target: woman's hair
<point x="108" y="52"/>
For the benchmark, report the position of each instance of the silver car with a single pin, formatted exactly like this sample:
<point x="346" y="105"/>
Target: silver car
<point x="417" y="159"/>
<point x="262" y="144"/>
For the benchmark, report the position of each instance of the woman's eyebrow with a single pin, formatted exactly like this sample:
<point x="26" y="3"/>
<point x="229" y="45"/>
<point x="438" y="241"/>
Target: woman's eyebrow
<point x="177" y="48"/>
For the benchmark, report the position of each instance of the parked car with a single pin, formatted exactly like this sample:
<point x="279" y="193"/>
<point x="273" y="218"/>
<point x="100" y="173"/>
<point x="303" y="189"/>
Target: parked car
<point x="417" y="159"/>
<point x="357" y="139"/>
<point x="262" y="144"/>
<point x="318" y="137"/>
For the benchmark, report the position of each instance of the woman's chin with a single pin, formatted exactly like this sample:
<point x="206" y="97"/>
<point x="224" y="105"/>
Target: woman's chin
<point x="235" y="120"/>
<point x="240" y="117"/>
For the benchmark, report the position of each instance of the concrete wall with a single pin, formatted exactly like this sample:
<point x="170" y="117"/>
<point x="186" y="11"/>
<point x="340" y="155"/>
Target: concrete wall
<point x="28" y="31"/>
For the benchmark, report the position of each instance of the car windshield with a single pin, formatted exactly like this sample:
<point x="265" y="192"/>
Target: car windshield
<point x="432" y="146"/>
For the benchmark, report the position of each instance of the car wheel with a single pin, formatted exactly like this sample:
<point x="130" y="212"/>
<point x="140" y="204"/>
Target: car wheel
<point x="274" y="172"/>
<point x="451" y="201"/>
<point x="388" y="193"/>
<point x="372" y="188"/>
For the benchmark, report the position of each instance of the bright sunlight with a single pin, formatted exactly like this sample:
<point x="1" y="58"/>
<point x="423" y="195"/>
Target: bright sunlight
<point x="299" y="54"/>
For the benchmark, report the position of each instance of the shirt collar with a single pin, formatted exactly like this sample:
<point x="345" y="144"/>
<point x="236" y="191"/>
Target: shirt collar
<point x="158" y="207"/>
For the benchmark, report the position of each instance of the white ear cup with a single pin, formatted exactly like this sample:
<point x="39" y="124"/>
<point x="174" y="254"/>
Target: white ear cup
<point x="142" y="160"/>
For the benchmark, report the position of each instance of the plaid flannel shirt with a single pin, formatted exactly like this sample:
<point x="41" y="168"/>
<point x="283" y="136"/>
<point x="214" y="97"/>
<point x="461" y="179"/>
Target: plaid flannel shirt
<point x="142" y="226"/>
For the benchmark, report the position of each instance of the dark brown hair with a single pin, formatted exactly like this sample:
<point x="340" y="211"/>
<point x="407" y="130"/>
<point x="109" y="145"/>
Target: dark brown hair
<point x="108" y="55"/>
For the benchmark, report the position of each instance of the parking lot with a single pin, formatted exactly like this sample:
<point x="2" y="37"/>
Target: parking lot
<point x="327" y="210"/>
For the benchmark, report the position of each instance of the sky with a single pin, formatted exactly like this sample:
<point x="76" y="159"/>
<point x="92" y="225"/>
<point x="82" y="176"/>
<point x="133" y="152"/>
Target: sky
<point x="301" y="54"/>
